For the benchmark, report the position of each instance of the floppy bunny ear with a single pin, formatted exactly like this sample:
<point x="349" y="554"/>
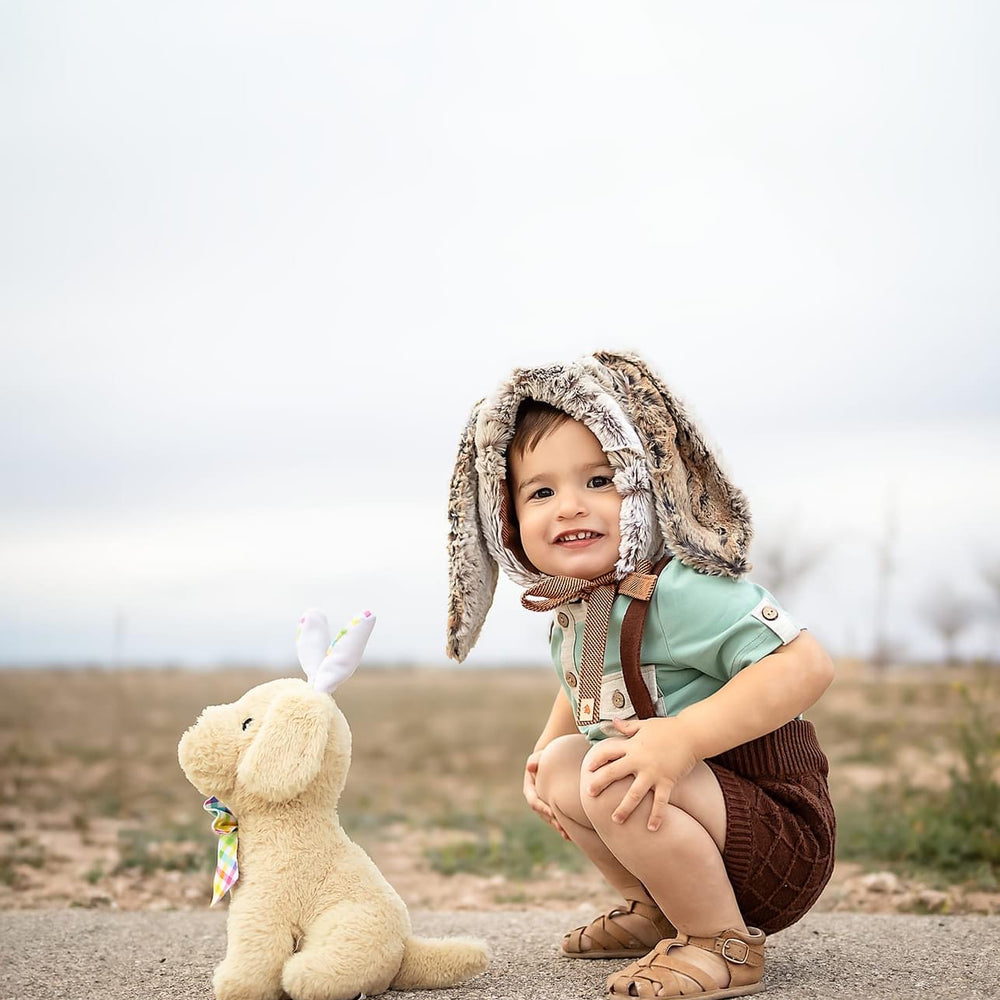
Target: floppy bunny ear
<point x="472" y="571"/>
<point x="344" y="654"/>
<point x="704" y="519"/>
<point x="312" y="638"/>
<point x="287" y="753"/>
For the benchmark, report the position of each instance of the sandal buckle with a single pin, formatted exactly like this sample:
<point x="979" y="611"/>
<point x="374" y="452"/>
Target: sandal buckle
<point x="741" y="955"/>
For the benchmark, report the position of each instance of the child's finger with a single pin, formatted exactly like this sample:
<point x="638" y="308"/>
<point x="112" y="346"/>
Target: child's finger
<point x="541" y="807"/>
<point x="531" y="797"/>
<point x="605" y="752"/>
<point x="630" y="800"/>
<point x="537" y="803"/>
<point x="661" y="799"/>
<point x="627" y="727"/>
<point x="608" y="775"/>
<point x="529" y="789"/>
<point x="548" y="815"/>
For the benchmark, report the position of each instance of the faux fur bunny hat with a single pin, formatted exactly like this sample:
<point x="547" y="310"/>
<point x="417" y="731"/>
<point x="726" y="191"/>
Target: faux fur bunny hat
<point x="675" y="497"/>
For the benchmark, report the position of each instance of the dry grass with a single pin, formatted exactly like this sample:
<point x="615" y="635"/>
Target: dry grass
<point x="95" y="811"/>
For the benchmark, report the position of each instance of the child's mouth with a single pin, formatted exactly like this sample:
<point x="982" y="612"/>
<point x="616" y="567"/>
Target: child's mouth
<point x="578" y="539"/>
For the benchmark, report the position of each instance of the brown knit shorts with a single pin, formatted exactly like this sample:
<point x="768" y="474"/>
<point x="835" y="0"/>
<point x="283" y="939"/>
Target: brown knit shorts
<point x="780" y="826"/>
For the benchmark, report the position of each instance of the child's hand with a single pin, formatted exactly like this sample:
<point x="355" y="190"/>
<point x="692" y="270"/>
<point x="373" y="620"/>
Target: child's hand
<point x="656" y="751"/>
<point x="534" y="800"/>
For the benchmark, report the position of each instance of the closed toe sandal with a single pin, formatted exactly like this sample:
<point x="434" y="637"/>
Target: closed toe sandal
<point x="627" y="931"/>
<point x="669" y="973"/>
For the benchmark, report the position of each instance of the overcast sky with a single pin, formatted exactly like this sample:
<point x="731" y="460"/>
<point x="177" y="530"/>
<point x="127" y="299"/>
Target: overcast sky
<point x="258" y="261"/>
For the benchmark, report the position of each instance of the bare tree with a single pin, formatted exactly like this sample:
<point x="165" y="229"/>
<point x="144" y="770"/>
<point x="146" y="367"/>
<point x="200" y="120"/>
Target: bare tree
<point x="991" y="577"/>
<point x="782" y="565"/>
<point x="949" y="615"/>
<point x="886" y="565"/>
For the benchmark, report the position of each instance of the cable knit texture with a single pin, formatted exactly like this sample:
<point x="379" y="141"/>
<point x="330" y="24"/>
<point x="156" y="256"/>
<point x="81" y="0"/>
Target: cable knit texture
<point x="780" y="828"/>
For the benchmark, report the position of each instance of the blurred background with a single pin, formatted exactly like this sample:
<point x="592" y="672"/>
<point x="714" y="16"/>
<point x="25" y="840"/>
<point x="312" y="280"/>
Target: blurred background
<point x="258" y="261"/>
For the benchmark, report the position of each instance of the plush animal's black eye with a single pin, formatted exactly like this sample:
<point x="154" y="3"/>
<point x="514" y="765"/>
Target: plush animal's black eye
<point x="246" y="722"/>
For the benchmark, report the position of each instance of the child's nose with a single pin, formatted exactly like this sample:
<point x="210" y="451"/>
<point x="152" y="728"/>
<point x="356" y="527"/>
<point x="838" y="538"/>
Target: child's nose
<point x="572" y="503"/>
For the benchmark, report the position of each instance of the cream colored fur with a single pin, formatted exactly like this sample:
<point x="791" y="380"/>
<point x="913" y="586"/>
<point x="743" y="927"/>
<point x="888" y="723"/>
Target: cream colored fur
<point x="311" y="915"/>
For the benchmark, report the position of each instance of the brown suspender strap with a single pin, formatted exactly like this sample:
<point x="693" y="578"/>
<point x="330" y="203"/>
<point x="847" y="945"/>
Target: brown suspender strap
<point x="631" y="644"/>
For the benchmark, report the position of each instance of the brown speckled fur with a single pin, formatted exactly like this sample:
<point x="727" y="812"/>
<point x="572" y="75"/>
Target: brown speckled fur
<point x="674" y="495"/>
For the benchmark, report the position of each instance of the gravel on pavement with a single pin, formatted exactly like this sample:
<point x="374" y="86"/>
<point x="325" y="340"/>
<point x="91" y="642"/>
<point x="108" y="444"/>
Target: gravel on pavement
<point x="88" y="954"/>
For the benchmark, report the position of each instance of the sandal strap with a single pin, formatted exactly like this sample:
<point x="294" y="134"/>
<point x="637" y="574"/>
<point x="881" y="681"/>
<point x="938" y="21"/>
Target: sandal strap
<point x="734" y="947"/>
<point x="660" y="973"/>
<point x="663" y="963"/>
<point x="664" y="973"/>
<point x="608" y="934"/>
<point x="652" y="913"/>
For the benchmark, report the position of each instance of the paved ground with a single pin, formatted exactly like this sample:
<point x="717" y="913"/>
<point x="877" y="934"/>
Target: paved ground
<point x="89" y="955"/>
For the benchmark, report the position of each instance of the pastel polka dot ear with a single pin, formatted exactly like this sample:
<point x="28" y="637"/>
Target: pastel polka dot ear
<point x="326" y="663"/>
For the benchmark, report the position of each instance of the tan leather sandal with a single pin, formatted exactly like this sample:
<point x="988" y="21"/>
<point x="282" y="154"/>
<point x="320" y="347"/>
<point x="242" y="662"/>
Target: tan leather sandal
<point x="627" y="931"/>
<point x="667" y="975"/>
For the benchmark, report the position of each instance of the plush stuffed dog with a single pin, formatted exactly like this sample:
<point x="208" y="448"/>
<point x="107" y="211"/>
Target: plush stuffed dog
<point x="310" y="914"/>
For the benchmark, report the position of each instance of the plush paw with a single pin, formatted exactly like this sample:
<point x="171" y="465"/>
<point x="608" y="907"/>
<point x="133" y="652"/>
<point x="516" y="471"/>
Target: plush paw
<point x="230" y="983"/>
<point x="317" y="977"/>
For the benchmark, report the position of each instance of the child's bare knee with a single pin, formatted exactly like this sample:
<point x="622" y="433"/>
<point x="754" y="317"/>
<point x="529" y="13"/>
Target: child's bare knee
<point x="601" y="806"/>
<point x="600" y="809"/>
<point x="559" y="764"/>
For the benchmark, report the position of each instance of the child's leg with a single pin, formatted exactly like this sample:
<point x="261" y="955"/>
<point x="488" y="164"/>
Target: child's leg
<point x="626" y="932"/>
<point x="558" y="784"/>
<point x="680" y="863"/>
<point x="628" y="855"/>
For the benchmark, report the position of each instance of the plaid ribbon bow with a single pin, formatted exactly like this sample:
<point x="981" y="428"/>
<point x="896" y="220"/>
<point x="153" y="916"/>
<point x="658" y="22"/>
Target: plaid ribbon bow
<point x="555" y="591"/>
<point x="227" y="870"/>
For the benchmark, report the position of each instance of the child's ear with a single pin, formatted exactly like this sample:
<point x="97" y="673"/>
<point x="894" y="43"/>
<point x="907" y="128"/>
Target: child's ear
<point x="287" y="752"/>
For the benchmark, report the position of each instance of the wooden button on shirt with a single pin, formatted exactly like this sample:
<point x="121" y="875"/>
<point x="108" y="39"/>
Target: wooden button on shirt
<point x="701" y="630"/>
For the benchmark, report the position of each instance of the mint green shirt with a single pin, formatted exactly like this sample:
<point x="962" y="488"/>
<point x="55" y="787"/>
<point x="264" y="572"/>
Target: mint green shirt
<point x="700" y="631"/>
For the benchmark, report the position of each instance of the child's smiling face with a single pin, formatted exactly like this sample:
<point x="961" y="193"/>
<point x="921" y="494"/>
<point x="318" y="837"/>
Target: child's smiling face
<point x="566" y="503"/>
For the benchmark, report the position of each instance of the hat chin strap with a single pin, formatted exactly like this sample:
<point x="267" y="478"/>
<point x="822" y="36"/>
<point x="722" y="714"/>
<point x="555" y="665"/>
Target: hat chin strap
<point x="600" y="593"/>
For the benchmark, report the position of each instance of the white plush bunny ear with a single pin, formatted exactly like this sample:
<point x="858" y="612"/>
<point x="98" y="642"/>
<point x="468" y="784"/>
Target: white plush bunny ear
<point x="343" y="654"/>
<point x="312" y="639"/>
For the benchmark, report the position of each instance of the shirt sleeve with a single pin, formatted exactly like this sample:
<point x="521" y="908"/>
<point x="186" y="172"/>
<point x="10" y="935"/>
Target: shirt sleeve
<point x="718" y="625"/>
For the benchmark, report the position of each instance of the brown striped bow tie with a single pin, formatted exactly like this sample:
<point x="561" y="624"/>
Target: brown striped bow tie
<point x="555" y="591"/>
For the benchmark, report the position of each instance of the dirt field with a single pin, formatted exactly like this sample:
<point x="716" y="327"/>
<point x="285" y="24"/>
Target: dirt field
<point x="95" y="812"/>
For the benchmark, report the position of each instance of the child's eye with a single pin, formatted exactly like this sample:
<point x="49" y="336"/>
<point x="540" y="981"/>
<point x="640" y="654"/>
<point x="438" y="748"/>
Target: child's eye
<point x="598" y="481"/>
<point x="542" y="493"/>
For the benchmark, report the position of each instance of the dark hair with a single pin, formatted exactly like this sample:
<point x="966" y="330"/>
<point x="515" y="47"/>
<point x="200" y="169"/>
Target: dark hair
<point x="534" y="420"/>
